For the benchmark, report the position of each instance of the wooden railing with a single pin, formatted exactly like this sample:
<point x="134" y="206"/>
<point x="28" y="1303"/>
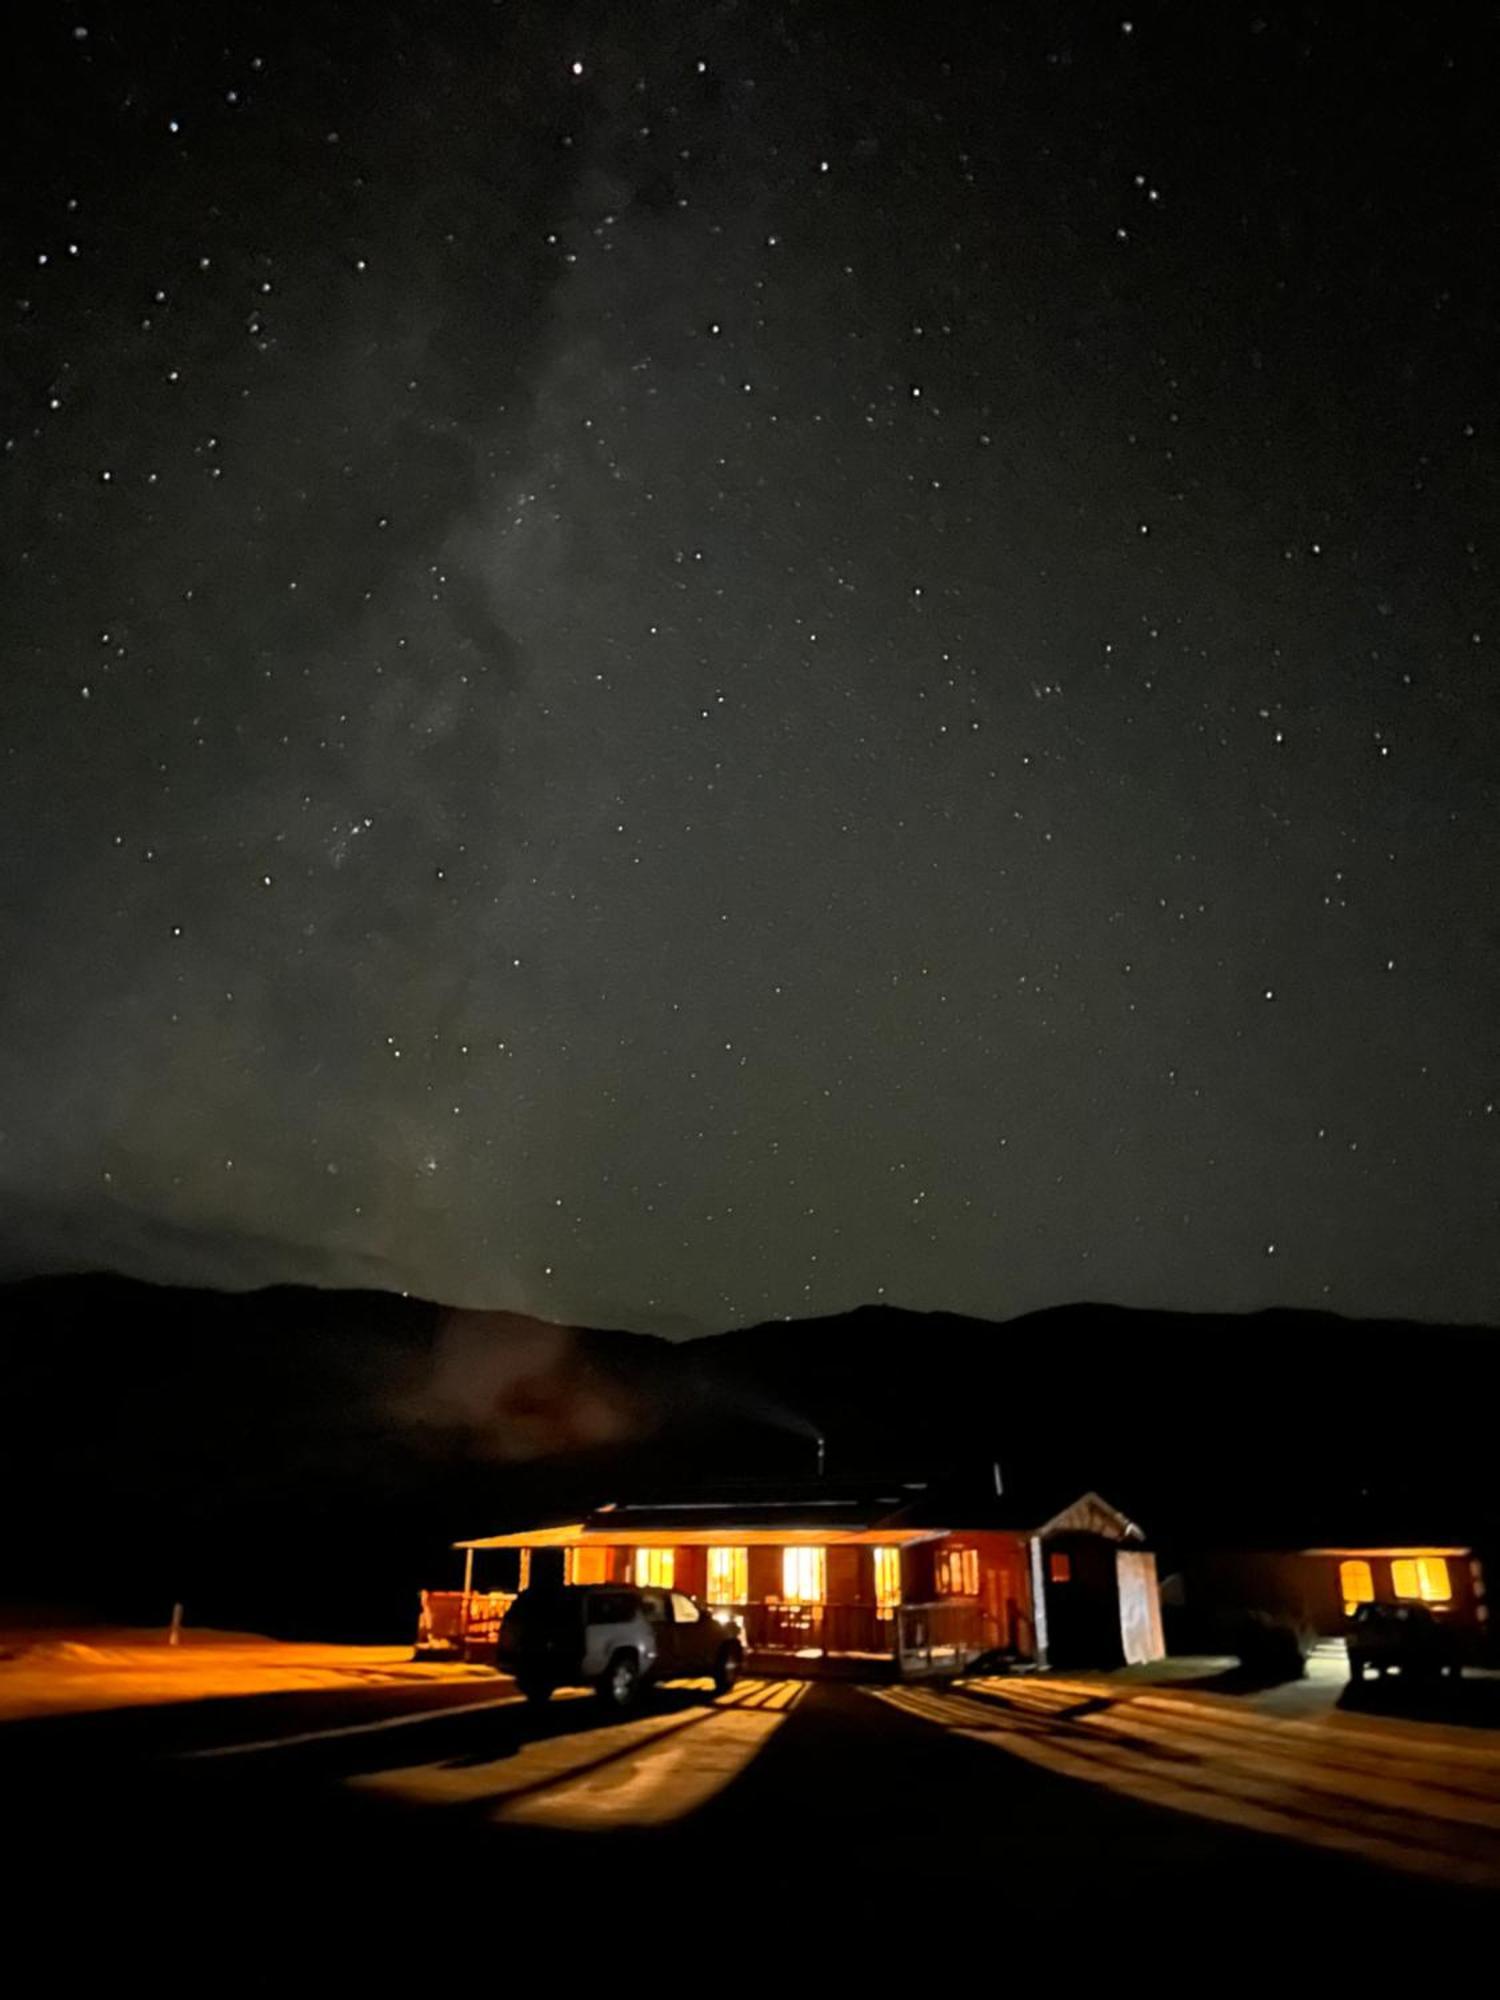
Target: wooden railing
<point x="922" y="1638"/>
<point x="943" y="1638"/>
<point x="461" y="1624"/>
<point x="779" y="1627"/>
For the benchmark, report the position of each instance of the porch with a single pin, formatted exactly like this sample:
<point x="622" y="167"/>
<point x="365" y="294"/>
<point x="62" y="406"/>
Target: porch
<point x="461" y="1624"/>
<point x="903" y="1641"/>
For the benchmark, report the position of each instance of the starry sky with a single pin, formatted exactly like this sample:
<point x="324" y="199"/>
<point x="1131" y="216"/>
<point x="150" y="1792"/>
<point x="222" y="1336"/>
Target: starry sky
<point x="665" y="666"/>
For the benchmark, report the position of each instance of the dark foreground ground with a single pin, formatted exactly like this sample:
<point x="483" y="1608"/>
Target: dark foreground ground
<point x="429" y="1836"/>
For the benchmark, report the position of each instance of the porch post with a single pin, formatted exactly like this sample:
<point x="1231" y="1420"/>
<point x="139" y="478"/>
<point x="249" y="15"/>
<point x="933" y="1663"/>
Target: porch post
<point x="1038" y="1601"/>
<point x="468" y="1575"/>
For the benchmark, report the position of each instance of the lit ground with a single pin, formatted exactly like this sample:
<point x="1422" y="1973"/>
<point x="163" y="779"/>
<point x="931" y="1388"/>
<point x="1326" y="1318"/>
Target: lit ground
<point x="63" y="1671"/>
<point x="397" y="1815"/>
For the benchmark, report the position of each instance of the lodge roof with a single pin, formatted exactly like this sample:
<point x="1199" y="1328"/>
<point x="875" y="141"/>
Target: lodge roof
<point x="822" y="1515"/>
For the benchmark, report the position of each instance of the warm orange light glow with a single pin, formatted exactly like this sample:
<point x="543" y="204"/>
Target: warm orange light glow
<point x="1357" y="1584"/>
<point x="584" y="1565"/>
<point x="1060" y="1567"/>
<point x="728" y="1576"/>
<point x="1425" y="1577"/>
<point x="654" y="1567"/>
<point x="804" y="1576"/>
<point x="887" y="1578"/>
<point x="958" y="1573"/>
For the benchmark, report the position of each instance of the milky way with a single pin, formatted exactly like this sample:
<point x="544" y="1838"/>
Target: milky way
<point x="665" y="673"/>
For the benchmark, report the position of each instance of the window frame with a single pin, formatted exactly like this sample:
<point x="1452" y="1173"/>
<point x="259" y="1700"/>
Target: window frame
<point x="647" y="1565"/>
<point x="737" y="1581"/>
<point x="1356" y="1571"/>
<point x="1425" y="1572"/>
<point x="886" y="1560"/>
<point x="958" y="1572"/>
<point x="794" y="1557"/>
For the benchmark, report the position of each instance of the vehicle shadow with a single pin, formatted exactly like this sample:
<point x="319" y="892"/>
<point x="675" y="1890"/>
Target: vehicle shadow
<point x="181" y="1755"/>
<point x="1235" y="1678"/>
<point x="164" y="1729"/>
<point x="1472" y="1702"/>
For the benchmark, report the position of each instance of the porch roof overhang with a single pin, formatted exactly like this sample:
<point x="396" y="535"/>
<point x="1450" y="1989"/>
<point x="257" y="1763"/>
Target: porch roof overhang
<point x="578" y="1534"/>
<point x="1396" y="1551"/>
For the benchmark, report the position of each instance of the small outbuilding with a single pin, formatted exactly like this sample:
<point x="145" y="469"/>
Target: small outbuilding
<point x="1314" y="1586"/>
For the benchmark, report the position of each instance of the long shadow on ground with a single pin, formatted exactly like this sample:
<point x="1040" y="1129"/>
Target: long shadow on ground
<point x="861" y="1821"/>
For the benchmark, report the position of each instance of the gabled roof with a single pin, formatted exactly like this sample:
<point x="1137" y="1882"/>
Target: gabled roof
<point x="1091" y="1514"/>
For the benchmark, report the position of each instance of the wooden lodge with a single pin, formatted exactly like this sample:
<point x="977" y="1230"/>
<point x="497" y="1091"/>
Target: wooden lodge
<point x="896" y="1581"/>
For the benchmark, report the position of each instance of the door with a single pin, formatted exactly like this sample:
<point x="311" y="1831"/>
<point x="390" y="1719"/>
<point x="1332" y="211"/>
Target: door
<point x="1140" y="1606"/>
<point x="1083" y="1604"/>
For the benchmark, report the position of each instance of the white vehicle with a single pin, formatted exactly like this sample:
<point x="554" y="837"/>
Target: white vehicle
<point x="615" y="1639"/>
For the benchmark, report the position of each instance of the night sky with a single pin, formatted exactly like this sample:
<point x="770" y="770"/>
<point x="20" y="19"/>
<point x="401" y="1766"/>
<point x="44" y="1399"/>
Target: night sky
<point x="673" y="664"/>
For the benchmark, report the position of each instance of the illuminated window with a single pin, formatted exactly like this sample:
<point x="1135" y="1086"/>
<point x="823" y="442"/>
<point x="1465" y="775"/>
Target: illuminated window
<point x="1425" y="1577"/>
<point x="1060" y="1568"/>
<point x="654" y="1566"/>
<point x="728" y="1576"/>
<point x="1357" y="1584"/>
<point x="958" y="1573"/>
<point x="586" y="1566"/>
<point x="804" y="1576"/>
<point x="887" y="1578"/>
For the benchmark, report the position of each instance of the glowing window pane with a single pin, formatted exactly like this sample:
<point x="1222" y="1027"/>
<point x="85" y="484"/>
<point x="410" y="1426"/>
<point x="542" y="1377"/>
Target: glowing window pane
<point x="1357" y="1585"/>
<point x="804" y="1576"/>
<point x="887" y="1578"/>
<point x="1424" y="1577"/>
<point x="958" y="1573"/>
<point x="728" y="1576"/>
<point x="586" y="1566"/>
<point x="654" y="1567"/>
<point x="1060" y="1568"/>
<point x="1432" y="1574"/>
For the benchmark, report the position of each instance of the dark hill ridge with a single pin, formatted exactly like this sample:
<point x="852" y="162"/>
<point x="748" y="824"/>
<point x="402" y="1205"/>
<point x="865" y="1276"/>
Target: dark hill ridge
<point x="301" y="1459"/>
<point x="1191" y="1421"/>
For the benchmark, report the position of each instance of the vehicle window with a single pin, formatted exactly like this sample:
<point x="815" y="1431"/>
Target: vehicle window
<point x="654" y="1605"/>
<point x="611" y="1607"/>
<point x="684" y="1611"/>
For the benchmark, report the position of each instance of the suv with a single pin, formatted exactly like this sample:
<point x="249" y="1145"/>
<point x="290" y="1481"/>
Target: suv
<point x="1407" y="1636"/>
<point x="615" y="1639"/>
